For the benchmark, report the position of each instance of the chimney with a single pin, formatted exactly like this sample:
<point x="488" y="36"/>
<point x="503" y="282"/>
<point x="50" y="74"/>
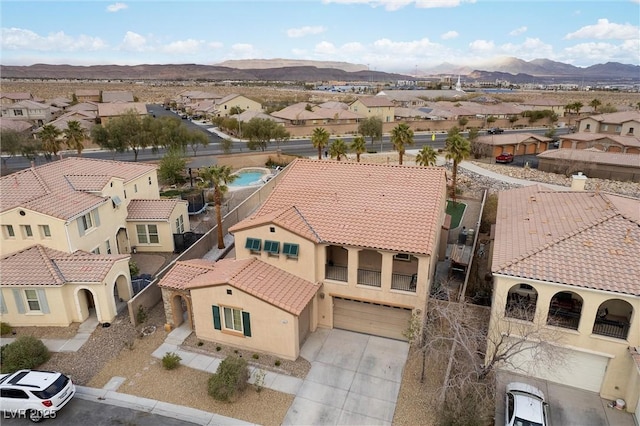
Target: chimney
<point x="578" y="181"/>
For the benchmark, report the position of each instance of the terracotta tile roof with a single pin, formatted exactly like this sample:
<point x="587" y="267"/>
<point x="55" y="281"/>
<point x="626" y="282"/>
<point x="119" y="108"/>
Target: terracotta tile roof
<point x="152" y="209"/>
<point x="632" y="141"/>
<point x="593" y="156"/>
<point x="512" y="138"/>
<point x="15" y="125"/>
<point x="41" y="266"/>
<point x="115" y="109"/>
<point x="253" y="276"/>
<point x="57" y="188"/>
<point x="88" y="92"/>
<point x="578" y="238"/>
<point x="389" y="207"/>
<point x="375" y="101"/>
<point x="616" y="117"/>
<point x="117" y="95"/>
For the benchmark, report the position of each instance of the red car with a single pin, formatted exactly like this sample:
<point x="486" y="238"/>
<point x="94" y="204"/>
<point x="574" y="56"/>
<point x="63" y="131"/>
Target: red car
<point x="505" y="157"/>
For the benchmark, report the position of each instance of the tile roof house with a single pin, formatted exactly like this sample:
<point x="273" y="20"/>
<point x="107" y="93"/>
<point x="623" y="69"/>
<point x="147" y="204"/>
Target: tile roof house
<point x="367" y="236"/>
<point x="42" y="286"/>
<point x="374" y="106"/>
<point x="34" y="112"/>
<point x="109" y="96"/>
<point x="88" y="95"/>
<point x="623" y="123"/>
<point x="227" y="103"/>
<point x="602" y="141"/>
<point x="515" y="143"/>
<point x="570" y="262"/>
<point x="12" y="98"/>
<point x="594" y="163"/>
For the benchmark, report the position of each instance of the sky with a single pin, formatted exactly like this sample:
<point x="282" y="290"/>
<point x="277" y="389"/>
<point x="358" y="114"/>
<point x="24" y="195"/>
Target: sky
<point x="406" y="36"/>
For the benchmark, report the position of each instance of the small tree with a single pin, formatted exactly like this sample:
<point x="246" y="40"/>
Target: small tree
<point x="229" y="380"/>
<point x="358" y="146"/>
<point x="337" y="149"/>
<point x="320" y="139"/>
<point x="171" y="361"/>
<point x="401" y="138"/>
<point x="26" y="352"/>
<point x="371" y="127"/>
<point x="172" y="167"/>
<point x="427" y="156"/>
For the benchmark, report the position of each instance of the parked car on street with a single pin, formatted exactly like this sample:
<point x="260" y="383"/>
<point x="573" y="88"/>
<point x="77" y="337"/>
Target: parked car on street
<point x="505" y="157"/>
<point x="34" y="394"/>
<point x="525" y="406"/>
<point x="495" y="131"/>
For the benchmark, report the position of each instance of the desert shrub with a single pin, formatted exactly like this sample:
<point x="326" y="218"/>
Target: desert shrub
<point x="277" y="363"/>
<point x="229" y="380"/>
<point x="141" y="315"/>
<point x="171" y="360"/>
<point x="218" y="348"/>
<point x="200" y="343"/>
<point x="26" y="352"/>
<point x="255" y="356"/>
<point x="5" y="328"/>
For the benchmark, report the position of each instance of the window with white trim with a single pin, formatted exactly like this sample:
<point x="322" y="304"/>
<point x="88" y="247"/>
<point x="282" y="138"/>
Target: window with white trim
<point x="27" y="232"/>
<point x="8" y="231"/>
<point x="45" y="231"/>
<point x="180" y="225"/>
<point x="88" y="222"/>
<point x="233" y="319"/>
<point x="147" y="234"/>
<point x="33" y="302"/>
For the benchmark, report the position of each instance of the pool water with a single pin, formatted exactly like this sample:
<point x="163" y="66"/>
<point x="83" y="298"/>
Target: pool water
<point x="247" y="178"/>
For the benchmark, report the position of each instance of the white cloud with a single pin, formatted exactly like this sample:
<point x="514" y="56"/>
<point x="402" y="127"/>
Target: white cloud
<point x="449" y="35"/>
<point x="478" y="46"/>
<point x="325" y="48"/>
<point x="243" y="51"/>
<point x="183" y="47"/>
<point x="392" y="5"/>
<point x="304" y="31"/>
<point x="21" y="39"/>
<point x="134" y="42"/>
<point x="116" y="7"/>
<point x="601" y="52"/>
<point x="518" y="31"/>
<point x="604" y="30"/>
<point x="532" y="48"/>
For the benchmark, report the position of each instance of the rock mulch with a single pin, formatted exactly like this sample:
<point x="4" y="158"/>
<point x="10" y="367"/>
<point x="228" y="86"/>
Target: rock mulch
<point x="46" y="332"/>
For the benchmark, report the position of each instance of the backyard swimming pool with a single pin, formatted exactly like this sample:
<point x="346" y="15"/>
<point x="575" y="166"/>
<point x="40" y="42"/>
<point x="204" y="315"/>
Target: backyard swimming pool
<point x="250" y="177"/>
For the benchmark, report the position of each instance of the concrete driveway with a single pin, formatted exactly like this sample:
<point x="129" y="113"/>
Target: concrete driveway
<point x="568" y="406"/>
<point x="354" y="380"/>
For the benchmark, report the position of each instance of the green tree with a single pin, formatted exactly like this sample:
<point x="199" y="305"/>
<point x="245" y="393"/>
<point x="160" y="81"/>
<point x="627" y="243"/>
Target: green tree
<point x="11" y="143"/>
<point x="74" y="136"/>
<point x="217" y="177"/>
<point x="50" y="138"/>
<point x="401" y="137"/>
<point x="172" y="167"/>
<point x="457" y="149"/>
<point x="337" y="149"/>
<point x="320" y="139"/>
<point x="260" y="131"/>
<point x="358" y="146"/>
<point x="124" y="132"/>
<point x="197" y="139"/>
<point x="427" y="156"/>
<point x="235" y="110"/>
<point x="372" y="127"/>
<point x="595" y="104"/>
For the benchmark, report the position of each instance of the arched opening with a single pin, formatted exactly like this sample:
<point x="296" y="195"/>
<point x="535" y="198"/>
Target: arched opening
<point x="86" y="303"/>
<point x="405" y="272"/>
<point x="121" y="292"/>
<point x="613" y="319"/>
<point x="122" y="240"/>
<point x="521" y="302"/>
<point x="369" y="263"/>
<point x="337" y="264"/>
<point x="180" y="310"/>
<point x="565" y="310"/>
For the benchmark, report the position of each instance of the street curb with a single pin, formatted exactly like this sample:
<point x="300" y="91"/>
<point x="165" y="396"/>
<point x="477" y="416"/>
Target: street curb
<point x="152" y="406"/>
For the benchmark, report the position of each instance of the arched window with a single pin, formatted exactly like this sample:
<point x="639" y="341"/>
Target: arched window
<point x="565" y="310"/>
<point x="521" y="302"/>
<point x="613" y="319"/>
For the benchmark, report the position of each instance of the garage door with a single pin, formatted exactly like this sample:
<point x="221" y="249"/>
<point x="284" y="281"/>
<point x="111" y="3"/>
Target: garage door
<point x="370" y="318"/>
<point x="574" y="368"/>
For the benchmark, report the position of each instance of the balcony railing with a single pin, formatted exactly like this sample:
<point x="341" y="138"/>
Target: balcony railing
<point x="370" y="278"/>
<point x="611" y="328"/>
<point x="404" y="282"/>
<point x="520" y="309"/>
<point x="337" y="273"/>
<point x="564" y="319"/>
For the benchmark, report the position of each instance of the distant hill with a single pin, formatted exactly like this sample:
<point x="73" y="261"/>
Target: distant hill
<point x="259" y="64"/>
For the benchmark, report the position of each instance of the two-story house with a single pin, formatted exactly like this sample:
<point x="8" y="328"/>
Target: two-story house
<point x="624" y="123"/>
<point x="226" y="104"/>
<point x="34" y="112"/>
<point x="336" y="244"/>
<point x="374" y="106"/>
<point x="80" y="205"/>
<point x="568" y="263"/>
<point x="108" y="111"/>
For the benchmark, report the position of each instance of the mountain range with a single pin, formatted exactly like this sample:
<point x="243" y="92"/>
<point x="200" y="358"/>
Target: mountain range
<point x="510" y="69"/>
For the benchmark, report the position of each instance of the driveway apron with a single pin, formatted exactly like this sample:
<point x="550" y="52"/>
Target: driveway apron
<point x="354" y="379"/>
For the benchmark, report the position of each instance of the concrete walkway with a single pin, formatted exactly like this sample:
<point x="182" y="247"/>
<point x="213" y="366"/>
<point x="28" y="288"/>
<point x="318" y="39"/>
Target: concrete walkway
<point x="66" y="345"/>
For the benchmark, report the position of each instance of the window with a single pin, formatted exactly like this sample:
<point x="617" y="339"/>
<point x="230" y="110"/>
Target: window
<point x="17" y="112"/>
<point x="290" y="250"/>
<point x="403" y="256"/>
<point x="88" y="221"/>
<point x="45" y="231"/>
<point x="147" y="234"/>
<point x="180" y="225"/>
<point x="8" y="231"/>
<point x="253" y="244"/>
<point x="96" y="250"/>
<point x="135" y="187"/>
<point x="618" y="129"/>
<point x="108" y="244"/>
<point x="271" y="247"/>
<point x="630" y="130"/>
<point x="605" y="127"/>
<point x="33" y="303"/>
<point x="27" y="232"/>
<point x="234" y="320"/>
<point x="588" y="127"/>
<point x="149" y="180"/>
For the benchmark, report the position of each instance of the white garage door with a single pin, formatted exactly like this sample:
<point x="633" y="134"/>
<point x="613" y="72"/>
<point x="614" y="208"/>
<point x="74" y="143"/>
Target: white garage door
<point x="370" y="318"/>
<point x="574" y="368"/>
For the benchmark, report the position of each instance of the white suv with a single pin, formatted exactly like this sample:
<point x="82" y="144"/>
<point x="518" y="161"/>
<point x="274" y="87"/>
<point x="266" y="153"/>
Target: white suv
<point x="34" y="394"/>
<point x="525" y="406"/>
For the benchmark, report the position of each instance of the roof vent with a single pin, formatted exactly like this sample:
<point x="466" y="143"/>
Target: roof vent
<point x="578" y="182"/>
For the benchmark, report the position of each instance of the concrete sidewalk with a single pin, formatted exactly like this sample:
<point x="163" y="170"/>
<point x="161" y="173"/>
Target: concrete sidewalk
<point x="66" y="345"/>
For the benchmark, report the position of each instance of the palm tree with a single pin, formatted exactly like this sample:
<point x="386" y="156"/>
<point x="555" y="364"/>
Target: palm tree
<point x="595" y="104"/>
<point x="320" y="139"/>
<point x="358" y="146"/>
<point x="427" y="156"/>
<point x="457" y="149"/>
<point x="337" y="149"/>
<point x="74" y="136"/>
<point x="217" y="177"/>
<point x="50" y="137"/>
<point x="401" y="137"/>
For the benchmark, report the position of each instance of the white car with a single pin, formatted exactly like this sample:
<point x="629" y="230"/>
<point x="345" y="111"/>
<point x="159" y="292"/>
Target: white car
<point x="34" y="394"/>
<point x="525" y="406"/>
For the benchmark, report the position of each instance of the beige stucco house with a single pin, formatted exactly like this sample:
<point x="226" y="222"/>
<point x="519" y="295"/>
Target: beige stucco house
<point x="569" y="262"/>
<point x="108" y="111"/>
<point x="45" y="287"/>
<point x="624" y="123"/>
<point x="374" y="106"/>
<point x="366" y="236"/>
<point x="224" y="106"/>
<point x="34" y="112"/>
<point x="84" y="204"/>
<point x="515" y="143"/>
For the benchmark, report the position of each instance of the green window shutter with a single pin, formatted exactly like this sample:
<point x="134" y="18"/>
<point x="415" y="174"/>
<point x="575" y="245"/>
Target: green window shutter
<point x="246" y="323"/>
<point x="253" y="244"/>
<point x="17" y="295"/>
<point x="42" y="298"/>
<point x="290" y="250"/>
<point x="272" y="246"/>
<point x="216" y="318"/>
